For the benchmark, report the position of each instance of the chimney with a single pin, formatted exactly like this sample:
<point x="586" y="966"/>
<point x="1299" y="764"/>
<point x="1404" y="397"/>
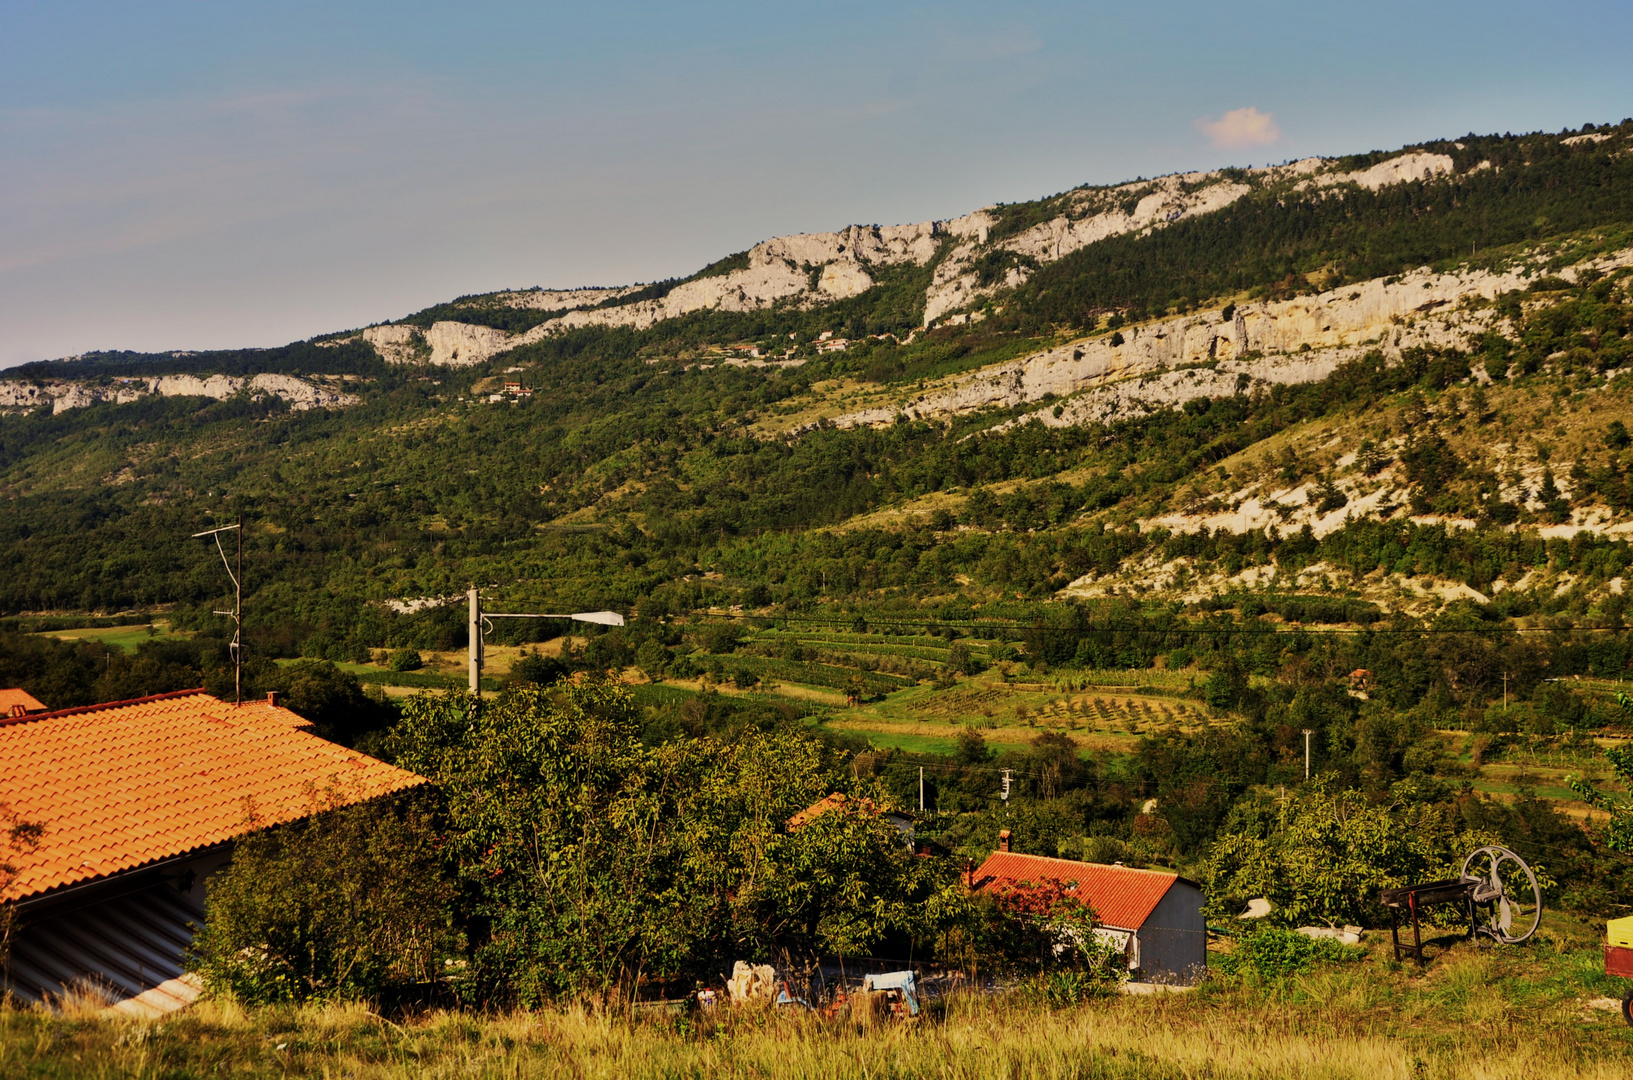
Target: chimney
<point x="1003" y="840"/>
<point x="272" y="698"/>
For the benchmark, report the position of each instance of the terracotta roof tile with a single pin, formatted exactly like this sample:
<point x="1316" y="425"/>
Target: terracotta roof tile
<point x="125" y="784"/>
<point x="836" y="801"/>
<point x="1122" y="897"/>
<point x="11" y="698"/>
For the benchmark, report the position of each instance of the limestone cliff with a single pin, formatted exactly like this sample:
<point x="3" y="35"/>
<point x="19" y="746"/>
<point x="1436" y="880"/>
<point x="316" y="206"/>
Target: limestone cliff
<point x="64" y="394"/>
<point x="971" y="258"/>
<point x="1165" y="363"/>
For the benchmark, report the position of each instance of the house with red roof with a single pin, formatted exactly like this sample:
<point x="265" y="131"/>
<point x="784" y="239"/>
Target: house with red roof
<point x="15" y="701"/>
<point x="1153" y="916"/>
<point x="838" y="802"/>
<point x="134" y="805"/>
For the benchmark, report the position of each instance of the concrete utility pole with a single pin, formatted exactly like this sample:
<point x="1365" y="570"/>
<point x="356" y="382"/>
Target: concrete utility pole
<point x="473" y="649"/>
<point x="1006" y="785"/>
<point x="1307" y="734"/>
<point x="921" y="789"/>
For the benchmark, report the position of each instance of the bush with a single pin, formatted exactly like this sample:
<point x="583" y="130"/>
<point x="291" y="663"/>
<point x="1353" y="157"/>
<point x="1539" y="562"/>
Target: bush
<point x="1270" y="954"/>
<point x="1324" y="855"/>
<point x="341" y="905"/>
<point x="531" y="667"/>
<point x="721" y="638"/>
<point x="406" y="660"/>
<point x="333" y="700"/>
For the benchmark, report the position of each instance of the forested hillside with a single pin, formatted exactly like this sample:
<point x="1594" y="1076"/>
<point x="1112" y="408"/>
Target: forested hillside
<point x="1124" y="489"/>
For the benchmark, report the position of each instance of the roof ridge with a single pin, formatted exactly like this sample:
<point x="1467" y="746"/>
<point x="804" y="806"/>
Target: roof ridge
<point x="1080" y="862"/>
<point x="81" y="709"/>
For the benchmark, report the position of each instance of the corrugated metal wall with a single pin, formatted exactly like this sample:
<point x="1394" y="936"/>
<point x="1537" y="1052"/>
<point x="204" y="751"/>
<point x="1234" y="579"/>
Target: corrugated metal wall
<point x="1174" y="939"/>
<point x="127" y="944"/>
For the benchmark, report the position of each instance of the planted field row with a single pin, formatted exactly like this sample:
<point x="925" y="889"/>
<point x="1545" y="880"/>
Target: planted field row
<point x="819" y="638"/>
<point x="1124" y="711"/>
<point x="811" y="674"/>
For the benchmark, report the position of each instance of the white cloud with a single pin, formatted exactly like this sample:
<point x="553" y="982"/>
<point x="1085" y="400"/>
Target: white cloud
<point x="1241" y="127"/>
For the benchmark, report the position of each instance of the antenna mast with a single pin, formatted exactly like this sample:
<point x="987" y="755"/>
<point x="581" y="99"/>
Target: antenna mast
<point x="237" y="612"/>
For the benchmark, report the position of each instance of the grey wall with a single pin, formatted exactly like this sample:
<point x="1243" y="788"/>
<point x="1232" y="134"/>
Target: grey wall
<point x="1174" y="939"/>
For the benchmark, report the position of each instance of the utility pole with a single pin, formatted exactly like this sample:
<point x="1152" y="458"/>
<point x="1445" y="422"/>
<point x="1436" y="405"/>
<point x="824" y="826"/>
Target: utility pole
<point x="478" y="617"/>
<point x="1505" y="691"/>
<point x="921" y="789"/>
<point x="237" y="612"/>
<point x="1006" y="786"/>
<point x="1307" y="734"/>
<point x="473" y="648"/>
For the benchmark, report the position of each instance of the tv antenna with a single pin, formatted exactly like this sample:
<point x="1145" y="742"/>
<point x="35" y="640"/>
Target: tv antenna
<point x="479" y="625"/>
<point x="237" y="612"/>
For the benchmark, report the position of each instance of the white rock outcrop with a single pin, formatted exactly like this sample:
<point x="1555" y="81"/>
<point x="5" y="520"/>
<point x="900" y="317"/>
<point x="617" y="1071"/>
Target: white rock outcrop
<point x="1407" y="168"/>
<point x="1303" y="339"/>
<point x="815" y="268"/>
<point x="461" y="344"/>
<point x="64" y="394"/>
<point x="396" y="344"/>
<point x="562" y="299"/>
<point x="1160" y="202"/>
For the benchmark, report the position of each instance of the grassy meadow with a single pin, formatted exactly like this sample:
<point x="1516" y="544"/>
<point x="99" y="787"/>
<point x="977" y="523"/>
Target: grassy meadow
<point x="1475" y="1013"/>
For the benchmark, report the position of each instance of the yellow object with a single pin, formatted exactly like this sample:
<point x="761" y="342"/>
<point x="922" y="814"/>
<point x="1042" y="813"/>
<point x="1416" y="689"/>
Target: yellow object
<point x="1620" y="932"/>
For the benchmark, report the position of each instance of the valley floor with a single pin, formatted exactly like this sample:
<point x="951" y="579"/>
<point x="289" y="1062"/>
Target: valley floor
<point x="1539" y="1012"/>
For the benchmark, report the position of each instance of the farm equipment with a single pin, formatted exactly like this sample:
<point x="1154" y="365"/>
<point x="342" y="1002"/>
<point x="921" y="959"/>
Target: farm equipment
<point x="1496" y="889"/>
<point x="1619" y="958"/>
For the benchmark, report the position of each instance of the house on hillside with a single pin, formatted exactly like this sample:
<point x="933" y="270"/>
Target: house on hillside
<point x="838" y="801"/>
<point x="16" y="702"/>
<point x="1154" y="916"/>
<point x="138" y="804"/>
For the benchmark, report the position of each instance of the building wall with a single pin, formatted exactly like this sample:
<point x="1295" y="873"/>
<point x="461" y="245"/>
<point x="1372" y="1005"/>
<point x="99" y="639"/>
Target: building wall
<point x="1174" y="939"/>
<point x="121" y="940"/>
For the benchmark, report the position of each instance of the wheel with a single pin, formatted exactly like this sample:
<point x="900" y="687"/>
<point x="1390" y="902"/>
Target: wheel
<point x="1506" y="892"/>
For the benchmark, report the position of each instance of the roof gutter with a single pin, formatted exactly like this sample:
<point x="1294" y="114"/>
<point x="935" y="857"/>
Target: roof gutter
<point x="39" y="898"/>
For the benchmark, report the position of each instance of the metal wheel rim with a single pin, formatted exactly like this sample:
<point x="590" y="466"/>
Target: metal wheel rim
<point x="1516" y="912"/>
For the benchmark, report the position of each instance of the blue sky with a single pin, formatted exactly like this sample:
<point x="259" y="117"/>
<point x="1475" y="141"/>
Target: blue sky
<point x="200" y="175"/>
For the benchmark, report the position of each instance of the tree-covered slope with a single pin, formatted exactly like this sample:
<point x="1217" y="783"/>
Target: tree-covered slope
<point x="666" y="463"/>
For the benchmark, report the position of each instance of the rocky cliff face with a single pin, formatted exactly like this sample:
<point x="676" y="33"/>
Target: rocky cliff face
<point x="1166" y="363"/>
<point x="973" y="257"/>
<point x="64" y="394"/>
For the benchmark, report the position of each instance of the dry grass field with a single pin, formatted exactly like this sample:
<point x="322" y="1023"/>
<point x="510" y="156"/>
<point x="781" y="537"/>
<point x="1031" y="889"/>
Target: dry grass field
<point x="1536" y="1013"/>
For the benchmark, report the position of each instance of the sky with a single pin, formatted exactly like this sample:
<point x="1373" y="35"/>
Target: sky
<point x="212" y="175"/>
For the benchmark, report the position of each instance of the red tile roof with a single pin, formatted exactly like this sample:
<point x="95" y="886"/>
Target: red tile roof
<point x="836" y="801"/>
<point x="128" y="783"/>
<point x="1122" y="897"/>
<point x="14" y="697"/>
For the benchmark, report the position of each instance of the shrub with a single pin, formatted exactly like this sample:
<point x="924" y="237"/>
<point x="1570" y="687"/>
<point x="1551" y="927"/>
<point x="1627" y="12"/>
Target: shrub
<point x="1323" y="855"/>
<point x="1270" y="954"/>
<point x="406" y="660"/>
<point x="341" y="905"/>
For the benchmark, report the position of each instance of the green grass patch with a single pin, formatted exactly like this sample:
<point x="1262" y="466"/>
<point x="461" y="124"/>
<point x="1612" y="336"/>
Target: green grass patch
<point x="124" y="638"/>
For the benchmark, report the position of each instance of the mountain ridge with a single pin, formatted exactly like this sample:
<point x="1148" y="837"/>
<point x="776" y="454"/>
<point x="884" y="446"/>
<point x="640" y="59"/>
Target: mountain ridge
<point x="1244" y="382"/>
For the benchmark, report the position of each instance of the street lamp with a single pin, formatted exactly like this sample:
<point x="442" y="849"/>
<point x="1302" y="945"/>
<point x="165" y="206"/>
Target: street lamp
<point x="479" y="617"/>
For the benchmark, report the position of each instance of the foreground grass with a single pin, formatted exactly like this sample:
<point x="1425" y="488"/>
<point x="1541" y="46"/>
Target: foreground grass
<point x="1476" y="1014"/>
